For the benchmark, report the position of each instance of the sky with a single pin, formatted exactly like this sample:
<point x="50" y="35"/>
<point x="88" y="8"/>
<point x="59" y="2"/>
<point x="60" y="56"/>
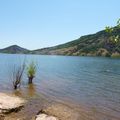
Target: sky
<point x="34" y="24"/>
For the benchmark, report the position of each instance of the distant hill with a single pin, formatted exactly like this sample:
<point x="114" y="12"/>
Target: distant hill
<point x="98" y="44"/>
<point x="14" y="49"/>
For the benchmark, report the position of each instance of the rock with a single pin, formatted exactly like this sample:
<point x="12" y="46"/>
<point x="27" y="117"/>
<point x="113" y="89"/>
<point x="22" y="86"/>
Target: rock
<point x="2" y="117"/>
<point x="45" y="117"/>
<point x="10" y="103"/>
<point x="62" y="111"/>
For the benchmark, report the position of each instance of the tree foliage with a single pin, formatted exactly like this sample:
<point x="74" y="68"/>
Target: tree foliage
<point x="110" y="30"/>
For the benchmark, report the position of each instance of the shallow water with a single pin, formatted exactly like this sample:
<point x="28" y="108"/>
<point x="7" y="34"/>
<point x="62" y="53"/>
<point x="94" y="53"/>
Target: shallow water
<point x="92" y="82"/>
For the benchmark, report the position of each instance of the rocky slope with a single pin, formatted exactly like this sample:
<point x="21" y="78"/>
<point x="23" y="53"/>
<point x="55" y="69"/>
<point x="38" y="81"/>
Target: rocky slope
<point x="98" y="44"/>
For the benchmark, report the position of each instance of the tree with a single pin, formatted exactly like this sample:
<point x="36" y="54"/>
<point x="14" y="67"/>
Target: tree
<point x="109" y="30"/>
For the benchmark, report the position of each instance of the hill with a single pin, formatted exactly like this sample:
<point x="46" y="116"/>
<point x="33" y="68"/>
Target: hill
<point x="14" y="49"/>
<point x="98" y="44"/>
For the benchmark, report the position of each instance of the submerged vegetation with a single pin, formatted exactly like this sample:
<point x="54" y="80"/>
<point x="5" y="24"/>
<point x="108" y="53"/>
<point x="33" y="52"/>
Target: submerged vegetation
<point x="17" y="75"/>
<point x="18" y="72"/>
<point x="31" y="71"/>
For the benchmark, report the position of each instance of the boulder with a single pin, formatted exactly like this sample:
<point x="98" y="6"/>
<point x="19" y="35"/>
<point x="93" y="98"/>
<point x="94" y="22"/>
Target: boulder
<point x="44" y="116"/>
<point x="10" y="103"/>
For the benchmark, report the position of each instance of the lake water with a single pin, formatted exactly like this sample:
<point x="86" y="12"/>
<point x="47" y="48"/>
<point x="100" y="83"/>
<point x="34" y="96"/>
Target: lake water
<point x="93" y="82"/>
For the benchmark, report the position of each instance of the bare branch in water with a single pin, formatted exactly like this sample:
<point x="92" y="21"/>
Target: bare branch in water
<point x="17" y="74"/>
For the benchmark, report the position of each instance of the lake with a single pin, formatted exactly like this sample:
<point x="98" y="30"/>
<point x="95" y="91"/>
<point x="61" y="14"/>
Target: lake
<point x="92" y="82"/>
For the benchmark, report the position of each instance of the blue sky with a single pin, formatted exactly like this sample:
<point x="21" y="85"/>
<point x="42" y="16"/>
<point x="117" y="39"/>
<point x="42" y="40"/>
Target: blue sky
<point x="41" y="23"/>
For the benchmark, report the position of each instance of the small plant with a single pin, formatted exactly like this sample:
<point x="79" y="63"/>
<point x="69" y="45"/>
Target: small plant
<point x="17" y="75"/>
<point x="31" y="71"/>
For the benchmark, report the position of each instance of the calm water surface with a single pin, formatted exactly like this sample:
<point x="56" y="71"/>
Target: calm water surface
<point x="90" y="81"/>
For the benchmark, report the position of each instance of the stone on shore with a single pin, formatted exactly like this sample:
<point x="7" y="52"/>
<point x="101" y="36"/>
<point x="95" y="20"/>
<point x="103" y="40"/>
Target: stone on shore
<point x="10" y="103"/>
<point x="45" y="117"/>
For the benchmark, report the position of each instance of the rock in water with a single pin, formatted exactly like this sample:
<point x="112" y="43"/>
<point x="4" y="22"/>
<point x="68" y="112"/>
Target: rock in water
<point x="45" y="117"/>
<point x="10" y="103"/>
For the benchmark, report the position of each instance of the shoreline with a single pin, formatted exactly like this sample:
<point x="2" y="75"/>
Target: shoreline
<point x="63" y="110"/>
<point x="60" y="110"/>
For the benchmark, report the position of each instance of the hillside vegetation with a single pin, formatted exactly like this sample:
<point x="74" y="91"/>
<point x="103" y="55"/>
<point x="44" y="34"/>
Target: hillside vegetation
<point x="14" y="49"/>
<point x="98" y="44"/>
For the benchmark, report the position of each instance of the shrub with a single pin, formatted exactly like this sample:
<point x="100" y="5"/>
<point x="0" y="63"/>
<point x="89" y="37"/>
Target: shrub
<point x="31" y="71"/>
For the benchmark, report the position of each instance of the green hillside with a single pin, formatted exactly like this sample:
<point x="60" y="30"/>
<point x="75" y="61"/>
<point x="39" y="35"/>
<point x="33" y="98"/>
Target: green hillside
<point x="98" y="44"/>
<point x="14" y="49"/>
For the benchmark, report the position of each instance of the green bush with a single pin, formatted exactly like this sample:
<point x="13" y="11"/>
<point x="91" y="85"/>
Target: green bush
<point x="31" y="71"/>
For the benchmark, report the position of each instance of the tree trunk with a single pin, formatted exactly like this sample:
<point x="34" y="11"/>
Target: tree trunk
<point x="15" y="87"/>
<point x="30" y="80"/>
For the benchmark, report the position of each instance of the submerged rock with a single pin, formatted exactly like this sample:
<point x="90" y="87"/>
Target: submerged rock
<point x="44" y="116"/>
<point x="63" y="111"/>
<point x="10" y="103"/>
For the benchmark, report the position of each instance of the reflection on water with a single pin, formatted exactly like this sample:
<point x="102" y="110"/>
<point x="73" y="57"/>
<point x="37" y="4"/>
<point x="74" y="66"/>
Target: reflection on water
<point x="17" y="92"/>
<point x="31" y="90"/>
